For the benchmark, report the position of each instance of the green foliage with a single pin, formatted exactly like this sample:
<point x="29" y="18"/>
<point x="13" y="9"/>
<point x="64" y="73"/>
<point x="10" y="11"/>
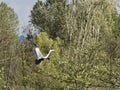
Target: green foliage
<point x="85" y="37"/>
<point x="48" y="69"/>
<point x="89" y="34"/>
<point x="8" y="25"/>
<point x="1" y="78"/>
<point x="50" y="17"/>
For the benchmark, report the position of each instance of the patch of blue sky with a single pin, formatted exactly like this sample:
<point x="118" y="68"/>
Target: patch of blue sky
<point x="22" y="8"/>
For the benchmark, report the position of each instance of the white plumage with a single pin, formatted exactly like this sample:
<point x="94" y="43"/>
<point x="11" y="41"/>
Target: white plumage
<point x="39" y="54"/>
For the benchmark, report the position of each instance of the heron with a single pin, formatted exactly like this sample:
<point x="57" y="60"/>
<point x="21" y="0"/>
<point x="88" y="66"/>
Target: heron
<point x="39" y="55"/>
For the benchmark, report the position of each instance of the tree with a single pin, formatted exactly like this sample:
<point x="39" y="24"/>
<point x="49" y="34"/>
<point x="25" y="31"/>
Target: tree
<point x="91" y="40"/>
<point x="32" y="76"/>
<point x="48" y="69"/>
<point x="88" y="29"/>
<point x="8" y="26"/>
<point x="49" y="17"/>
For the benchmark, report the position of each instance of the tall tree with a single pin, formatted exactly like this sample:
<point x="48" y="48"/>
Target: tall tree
<point x="88" y="29"/>
<point x="90" y="32"/>
<point x="8" y="26"/>
<point x="49" y="17"/>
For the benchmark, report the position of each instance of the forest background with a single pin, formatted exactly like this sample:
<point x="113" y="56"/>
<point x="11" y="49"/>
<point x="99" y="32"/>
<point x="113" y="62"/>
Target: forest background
<point x="85" y="35"/>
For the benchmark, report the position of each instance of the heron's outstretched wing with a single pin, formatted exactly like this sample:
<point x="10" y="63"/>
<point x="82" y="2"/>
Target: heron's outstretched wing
<point x="38" y="53"/>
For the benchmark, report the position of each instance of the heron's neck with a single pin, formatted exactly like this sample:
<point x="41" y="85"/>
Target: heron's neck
<point x="48" y="54"/>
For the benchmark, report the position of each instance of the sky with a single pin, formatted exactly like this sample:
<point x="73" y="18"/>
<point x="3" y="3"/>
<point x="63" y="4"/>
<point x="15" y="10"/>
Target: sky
<point x="118" y="5"/>
<point x="22" y="8"/>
